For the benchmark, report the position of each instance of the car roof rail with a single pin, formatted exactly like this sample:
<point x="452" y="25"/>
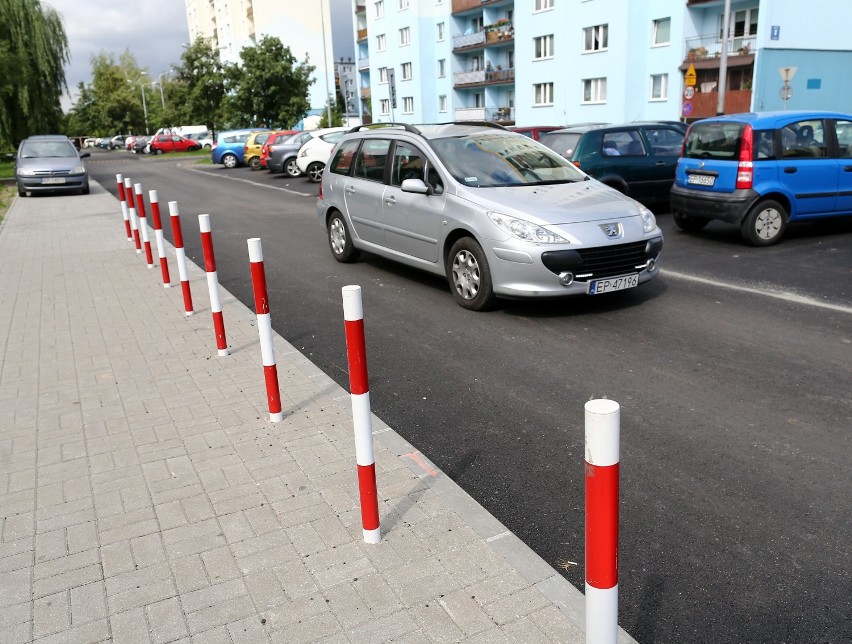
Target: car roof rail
<point x="482" y="123"/>
<point x="375" y="126"/>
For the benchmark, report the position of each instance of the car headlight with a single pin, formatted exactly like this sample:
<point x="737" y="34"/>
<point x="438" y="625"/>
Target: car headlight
<point x="649" y="222"/>
<point x="77" y="169"/>
<point x="525" y="230"/>
<point x="26" y="172"/>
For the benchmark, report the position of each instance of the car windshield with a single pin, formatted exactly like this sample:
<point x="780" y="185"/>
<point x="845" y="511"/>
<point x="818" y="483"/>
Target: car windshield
<point x="45" y="149"/>
<point x="714" y="140"/>
<point x="486" y="160"/>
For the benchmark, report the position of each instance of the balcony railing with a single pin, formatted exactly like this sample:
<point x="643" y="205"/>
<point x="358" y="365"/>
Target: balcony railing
<point x="485" y="77"/>
<point x="492" y="34"/>
<point x="469" y="40"/>
<point x="365" y="92"/>
<point x="709" y="46"/>
<point x="362" y="35"/>
<point x="502" y="114"/>
<point x="466" y="5"/>
<point x="364" y="63"/>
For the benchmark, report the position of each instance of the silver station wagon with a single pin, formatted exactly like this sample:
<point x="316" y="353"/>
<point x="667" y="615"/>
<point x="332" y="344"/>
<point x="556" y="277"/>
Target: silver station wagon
<point x="498" y="214"/>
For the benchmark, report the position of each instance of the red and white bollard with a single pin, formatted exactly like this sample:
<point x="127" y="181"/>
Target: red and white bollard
<point x="134" y="220"/>
<point x="213" y="283"/>
<point x="603" y="421"/>
<point x="180" y="256"/>
<point x="158" y="237"/>
<point x="125" y="213"/>
<point x="264" y="329"/>
<point x="356" y="350"/>
<point x="143" y="224"/>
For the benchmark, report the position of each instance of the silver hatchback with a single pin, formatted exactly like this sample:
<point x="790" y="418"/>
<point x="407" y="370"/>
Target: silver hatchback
<point x="497" y="213"/>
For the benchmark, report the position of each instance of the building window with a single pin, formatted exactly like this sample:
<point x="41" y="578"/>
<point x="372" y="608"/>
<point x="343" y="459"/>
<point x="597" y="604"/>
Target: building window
<point x="743" y="23"/>
<point x="543" y="94"/>
<point x="381" y="42"/>
<point x="543" y="46"/>
<point x="384" y="106"/>
<point x="662" y="31"/>
<point x="405" y="36"/>
<point x="442" y="103"/>
<point x="406" y="71"/>
<point x="595" y="38"/>
<point x="408" y="105"/>
<point x="380" y="8"/>
<point x="542" y="5"/>
<point x="594" y="90"/>
<point x="383" y="74"/>
<point x="403" y="4"/>
<point x="442" y="68"/>
<point x="441" y="31"/>
<point x="659" y="87"/>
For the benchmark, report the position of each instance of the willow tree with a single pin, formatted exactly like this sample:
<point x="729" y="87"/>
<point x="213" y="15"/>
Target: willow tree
<point x="33" y="53"/>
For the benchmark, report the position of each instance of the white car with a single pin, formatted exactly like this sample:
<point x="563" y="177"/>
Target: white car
<point x="202" y="138"/>
<point x="314" y="154"/>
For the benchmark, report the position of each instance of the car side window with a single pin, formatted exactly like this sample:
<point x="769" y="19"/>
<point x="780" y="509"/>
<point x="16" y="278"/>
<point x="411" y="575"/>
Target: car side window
<point x="342" y="161"/>
<point x="626" y="143"/>
<point x="764" y="143"/>
<point x="665" y="141"/>
<point x="370" y="162"/>
<point x="804" y="139"/>
<point x="408" y="163"/>
<point x="844" y="139"/>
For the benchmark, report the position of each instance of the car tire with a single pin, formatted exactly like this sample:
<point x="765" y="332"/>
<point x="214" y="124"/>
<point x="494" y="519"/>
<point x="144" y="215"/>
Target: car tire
<point x="340" y="241"/>
<point x="292" y="168"/>
<point x="470" y="276"/>
<point x="254" y="163"/>
<point x="229" y="161"/>
<point x="314" y="171"/>
<point x="765" y="223"/>
<point x="85" y="190"/>
<point x="207" y="146"/>
<point x="689" y="224"/>
<point x="22" y="193"/>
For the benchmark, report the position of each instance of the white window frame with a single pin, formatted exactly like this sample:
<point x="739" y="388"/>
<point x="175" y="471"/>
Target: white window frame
<point x="596" y="90"/>
<point x="380" y="8"/>
<point x="381" y="42"/>
<point x="442" y="68"/>
<point x="543" y="47"/>
<point x="404" y="4"/>
<point x="407" y="71"/>
<point x="663" y="85"/>
<point x="405" y="36"/>
<point x="657" y="23"/>
<point x="442" y="103"/>
<point x="600" y="33"/>
<point x="384" y="106"/>
<point x="408" y="105"/>
<point x="442" y="31"/>
<point x="542" y="5"/>
<point x="542" y="94"/>
<point x="383" y="75"/>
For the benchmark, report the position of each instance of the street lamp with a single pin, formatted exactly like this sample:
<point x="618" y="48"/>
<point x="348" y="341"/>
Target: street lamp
<point x="160" y="83"/>
<point x="144" y="104"/>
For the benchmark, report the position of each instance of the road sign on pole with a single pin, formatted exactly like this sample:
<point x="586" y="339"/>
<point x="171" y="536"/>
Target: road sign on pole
<point x="787" y="73"/>
<point x="690" y="78"/>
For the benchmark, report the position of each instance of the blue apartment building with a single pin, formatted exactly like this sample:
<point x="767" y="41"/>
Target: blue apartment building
<point x="558" y="62"/>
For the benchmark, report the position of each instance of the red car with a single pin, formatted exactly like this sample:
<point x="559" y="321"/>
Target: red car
<point x="264" y="149"/>
<point x="173" y="143"/>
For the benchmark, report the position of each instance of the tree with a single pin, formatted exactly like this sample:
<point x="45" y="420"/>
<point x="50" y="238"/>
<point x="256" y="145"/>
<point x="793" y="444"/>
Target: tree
<point x="270" y="88"/>
<point x="33" y="53"/>
<point x="336" y="114"/>
<point x="198" y="89"/>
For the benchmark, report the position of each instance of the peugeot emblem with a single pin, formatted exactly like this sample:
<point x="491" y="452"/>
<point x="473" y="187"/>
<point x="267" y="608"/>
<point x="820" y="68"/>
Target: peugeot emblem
<point x="610" y="230"/>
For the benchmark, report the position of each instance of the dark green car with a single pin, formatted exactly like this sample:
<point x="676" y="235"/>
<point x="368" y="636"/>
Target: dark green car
<point x="638" y="159"/>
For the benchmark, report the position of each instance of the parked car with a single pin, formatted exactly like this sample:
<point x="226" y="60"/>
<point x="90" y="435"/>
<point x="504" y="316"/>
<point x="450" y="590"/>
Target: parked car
<point x="229" y="149"/>
<point x="50" y="163"/>
<point x="252" y="149"/>
<point x="202" y="138"/>
<point x="498" y="214"/>
<point x="89" y="142"/>
<point x="637" y="159"/>
<point x="142" y="145"/>
<point x="273" y="138"/>
<point x="163" y="143"/>
<point x="535" y="131"/>
<point x="117" y="142"/>
<point x="762" y="171"/>
<point x="314" y="154"/>
<point x="282" y="155"/>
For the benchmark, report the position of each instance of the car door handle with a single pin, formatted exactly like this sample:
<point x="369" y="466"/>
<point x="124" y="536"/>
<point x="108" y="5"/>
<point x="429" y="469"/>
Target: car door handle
<point x="847" y="168"/>
<point x="390" y="200"/>
<point x="660" y="163"/>
<point x="350" y="190"/>
<point x="790" y="170"/>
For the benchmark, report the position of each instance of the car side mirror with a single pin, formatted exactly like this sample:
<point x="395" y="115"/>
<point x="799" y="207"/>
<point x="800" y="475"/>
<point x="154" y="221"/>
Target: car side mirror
<point x="85" y="154"/>
<point x="417" y="186"/>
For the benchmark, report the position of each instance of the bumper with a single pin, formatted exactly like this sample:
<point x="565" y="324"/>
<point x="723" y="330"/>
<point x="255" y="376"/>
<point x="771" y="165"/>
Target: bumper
<point x="34" y="184"/>
<point x="729" y="207"/>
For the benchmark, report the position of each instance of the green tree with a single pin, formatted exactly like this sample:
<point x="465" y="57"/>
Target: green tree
<point x="33" y="53"/>
<point x="336" y="114"/>
<point x="196" y="93"/>
<point x="270" y="88"/>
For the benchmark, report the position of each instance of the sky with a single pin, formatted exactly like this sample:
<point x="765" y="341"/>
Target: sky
<point x="152" y="30"/>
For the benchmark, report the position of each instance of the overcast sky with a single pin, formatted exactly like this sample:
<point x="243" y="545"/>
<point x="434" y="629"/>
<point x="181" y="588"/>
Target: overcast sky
<point x="152" y="30"/>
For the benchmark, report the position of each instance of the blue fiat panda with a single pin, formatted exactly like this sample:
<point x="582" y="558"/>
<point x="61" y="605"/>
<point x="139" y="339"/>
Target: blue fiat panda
<point x="761" y="171"/>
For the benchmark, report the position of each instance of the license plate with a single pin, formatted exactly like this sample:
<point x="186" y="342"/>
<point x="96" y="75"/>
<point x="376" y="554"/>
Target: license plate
<point x="53" y="180"/>
<point x="701" y="179"/>
<point x="596" y="287"/>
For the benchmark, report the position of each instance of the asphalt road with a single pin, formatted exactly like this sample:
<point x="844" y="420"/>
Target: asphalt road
<point x="733" y="370"/>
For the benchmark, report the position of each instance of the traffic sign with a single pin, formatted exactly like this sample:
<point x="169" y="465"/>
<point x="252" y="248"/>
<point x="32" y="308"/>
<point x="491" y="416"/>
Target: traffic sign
<point x="787" y="73"/>
<point x="687" y="108"/>
<point x="690" y="78"/>
<point x="786" y="92"/>
<point x="688" y="92"/>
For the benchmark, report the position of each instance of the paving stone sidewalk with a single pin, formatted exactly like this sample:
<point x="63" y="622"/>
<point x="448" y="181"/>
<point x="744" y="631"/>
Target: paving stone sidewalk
<point x="146" y="497"/>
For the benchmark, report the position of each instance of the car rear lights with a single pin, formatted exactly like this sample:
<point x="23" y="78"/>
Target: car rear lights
<point x="745" y="169"/>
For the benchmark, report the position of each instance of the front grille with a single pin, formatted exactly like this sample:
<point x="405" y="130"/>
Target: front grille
<point x="595" y="263"/>
<point x="51" y="173"/>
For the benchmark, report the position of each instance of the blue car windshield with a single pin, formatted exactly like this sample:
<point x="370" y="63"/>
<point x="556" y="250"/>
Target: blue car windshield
<point x="486" y="160"/>
<point x="46" y="149"/>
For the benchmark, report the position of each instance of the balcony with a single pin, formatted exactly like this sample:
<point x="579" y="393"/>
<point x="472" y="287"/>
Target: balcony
<point x="363" y="63"/>
<point x="704" y="103"/>
<point x="365" y="93"/>
<point x="504" y="114"/>
<point x="362" y="35"/>
<point x="484" y="77"/>
<point x="708" y="48"/>
<point x="464" y="6"/>
<point x="501" y="32"/>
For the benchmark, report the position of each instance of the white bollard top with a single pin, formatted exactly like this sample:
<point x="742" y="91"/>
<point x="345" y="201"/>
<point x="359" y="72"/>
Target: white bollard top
<point x="255" y="250"/>
<point x="137" y="188"/>
<point x="152" y="196"/>
<point x="173" y="209"/>
<point x="119" y="178"/>
<point x="352" y="306"/>
<point x="128" y="183"/>
<point x="204" y="223"/>
<point x="603" y="426"/>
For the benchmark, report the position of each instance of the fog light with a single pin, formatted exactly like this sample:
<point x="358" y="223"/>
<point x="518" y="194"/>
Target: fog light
<point x="652" y="264"/>
<point x="566" y="278"/>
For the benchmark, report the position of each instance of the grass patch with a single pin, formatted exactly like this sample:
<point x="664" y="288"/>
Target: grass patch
<point x="7" y="168"/>
<point x="7" y="194"/>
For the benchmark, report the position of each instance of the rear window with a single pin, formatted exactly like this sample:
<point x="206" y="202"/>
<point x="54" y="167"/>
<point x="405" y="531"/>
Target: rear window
<point x="714" y="141"/>
<point x="342" y="161"/>
<point x="563" y="144"/>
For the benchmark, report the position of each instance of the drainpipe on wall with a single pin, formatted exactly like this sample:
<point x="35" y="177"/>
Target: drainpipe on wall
<point x="723" y="60"/>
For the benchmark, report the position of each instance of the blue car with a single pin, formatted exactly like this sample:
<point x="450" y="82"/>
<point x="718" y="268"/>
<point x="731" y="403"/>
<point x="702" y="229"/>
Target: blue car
<point x="229" y="149"/>
<point x="762" y="170"/>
